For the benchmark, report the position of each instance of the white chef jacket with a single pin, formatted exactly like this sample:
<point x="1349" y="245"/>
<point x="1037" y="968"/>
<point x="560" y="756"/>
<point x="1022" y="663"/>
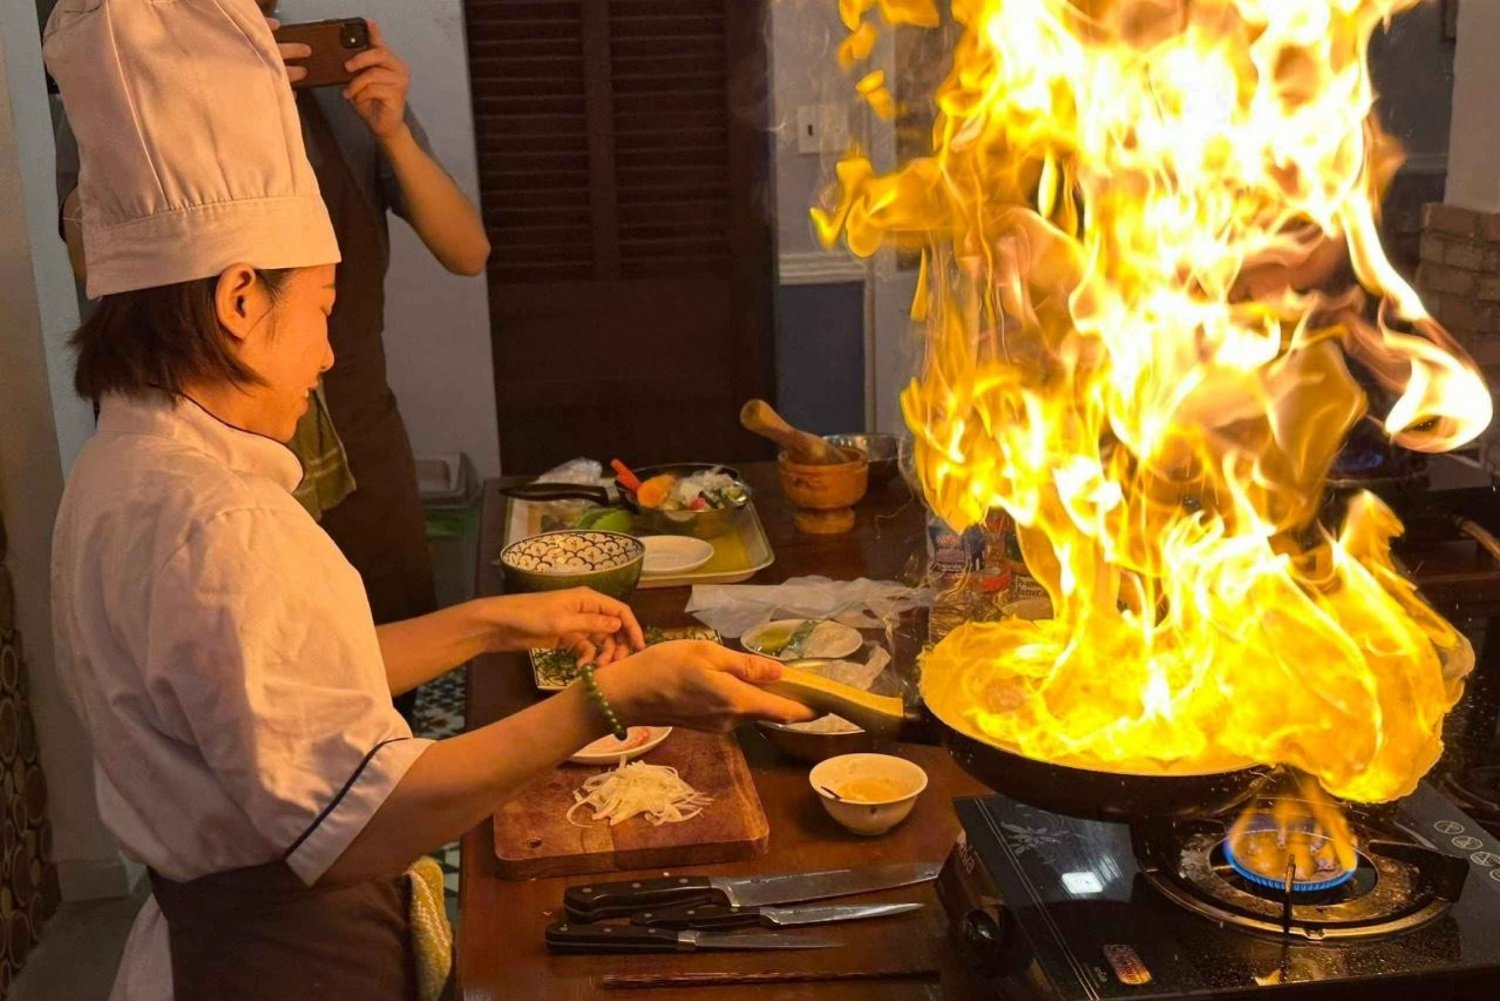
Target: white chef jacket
<point x="221" y="654"/>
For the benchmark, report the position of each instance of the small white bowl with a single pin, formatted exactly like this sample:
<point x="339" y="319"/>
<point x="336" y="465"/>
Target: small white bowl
<point x="875" y="817"/>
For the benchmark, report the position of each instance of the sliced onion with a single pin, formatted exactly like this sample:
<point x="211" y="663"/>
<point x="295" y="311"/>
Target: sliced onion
<point x="636" y="788"/>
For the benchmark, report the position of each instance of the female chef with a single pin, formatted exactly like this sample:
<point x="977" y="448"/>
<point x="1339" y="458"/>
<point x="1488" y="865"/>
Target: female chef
<point x="217" y="646"/>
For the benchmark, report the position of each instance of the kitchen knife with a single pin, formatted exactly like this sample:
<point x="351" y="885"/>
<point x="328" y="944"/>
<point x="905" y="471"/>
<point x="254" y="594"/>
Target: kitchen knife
<point x="717" y="916"/>
<point x="565" y="937"/>
<point x="595" y="901"/>
<point x="557" y="492"/>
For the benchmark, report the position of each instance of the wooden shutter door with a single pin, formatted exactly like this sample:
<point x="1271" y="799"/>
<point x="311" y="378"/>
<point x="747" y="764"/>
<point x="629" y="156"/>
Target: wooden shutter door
<point x="624" y="160"/>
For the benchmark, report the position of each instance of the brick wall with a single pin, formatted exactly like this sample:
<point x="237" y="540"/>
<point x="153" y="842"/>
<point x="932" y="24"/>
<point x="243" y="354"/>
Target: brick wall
<point x="1459" y="276"/>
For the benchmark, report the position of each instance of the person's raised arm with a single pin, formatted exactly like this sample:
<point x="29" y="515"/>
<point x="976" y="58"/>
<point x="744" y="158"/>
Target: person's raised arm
<point x="442" y="215"/>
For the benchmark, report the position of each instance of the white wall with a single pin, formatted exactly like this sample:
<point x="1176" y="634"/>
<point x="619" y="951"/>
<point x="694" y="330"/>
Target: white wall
<point x="437" y="335"/>
<point x="804" y="36"/>
<point x="1474" y="151"/>
<point x="42" y="426"/>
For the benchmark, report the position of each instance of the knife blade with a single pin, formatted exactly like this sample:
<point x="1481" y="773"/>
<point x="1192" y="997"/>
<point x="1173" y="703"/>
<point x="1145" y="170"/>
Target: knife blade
<point x="595" y="901"/>
<point x="565" y="937"/>
<point x="793" y="647"/>
<point x="718" y="916"/>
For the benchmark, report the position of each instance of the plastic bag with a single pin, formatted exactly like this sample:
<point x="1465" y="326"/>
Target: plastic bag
<point x="732" y="609"/>
<point x="565" y="513"/>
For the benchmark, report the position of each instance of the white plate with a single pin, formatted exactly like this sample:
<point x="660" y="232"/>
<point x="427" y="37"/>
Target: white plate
<point x="609" y="751"/>
<point x="829" y="640"/>
<point x="675" y="554"/>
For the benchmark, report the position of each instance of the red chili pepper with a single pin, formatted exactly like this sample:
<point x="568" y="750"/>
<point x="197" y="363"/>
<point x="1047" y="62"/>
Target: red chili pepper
<point x="628" y="479"/>
<point x="698" y="504"/>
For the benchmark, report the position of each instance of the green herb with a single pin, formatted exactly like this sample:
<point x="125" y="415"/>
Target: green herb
<point x="554" y="669"/>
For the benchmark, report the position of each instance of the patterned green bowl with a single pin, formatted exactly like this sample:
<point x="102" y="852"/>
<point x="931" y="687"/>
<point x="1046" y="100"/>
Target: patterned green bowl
<point x="608" y="562"/>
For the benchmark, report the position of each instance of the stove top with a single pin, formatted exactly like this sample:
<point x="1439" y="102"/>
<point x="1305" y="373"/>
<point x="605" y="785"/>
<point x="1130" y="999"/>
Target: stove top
<point x="1071" y="910"/>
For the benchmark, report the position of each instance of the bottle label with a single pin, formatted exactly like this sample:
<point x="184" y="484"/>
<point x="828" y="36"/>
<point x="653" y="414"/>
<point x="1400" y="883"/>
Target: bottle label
<point x="1023" y="586"/>
<point x="954" y="554"/>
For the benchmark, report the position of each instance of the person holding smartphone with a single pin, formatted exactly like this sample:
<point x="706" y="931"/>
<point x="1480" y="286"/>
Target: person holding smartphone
<point x="371" y="157"/>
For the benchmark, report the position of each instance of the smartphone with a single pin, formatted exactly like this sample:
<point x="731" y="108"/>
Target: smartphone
<point x="333" y="43"/>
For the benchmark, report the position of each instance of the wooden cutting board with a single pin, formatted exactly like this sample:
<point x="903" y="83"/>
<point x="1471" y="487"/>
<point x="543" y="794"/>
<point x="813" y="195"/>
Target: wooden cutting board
<point x="533" y="836"/>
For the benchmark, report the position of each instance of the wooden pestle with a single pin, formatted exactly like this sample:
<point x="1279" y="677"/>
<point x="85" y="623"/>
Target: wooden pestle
<point x="759" y="417"/>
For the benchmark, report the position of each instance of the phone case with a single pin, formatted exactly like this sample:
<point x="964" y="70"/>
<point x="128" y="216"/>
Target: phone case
<point x="333" y="43"/>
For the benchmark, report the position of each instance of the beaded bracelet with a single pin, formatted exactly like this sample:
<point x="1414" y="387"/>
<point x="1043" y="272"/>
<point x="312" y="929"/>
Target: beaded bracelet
<point x="591" y="685"/>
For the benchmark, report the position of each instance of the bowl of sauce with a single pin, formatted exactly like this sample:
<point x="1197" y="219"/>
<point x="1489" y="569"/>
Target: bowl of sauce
<point x="868" y="793"/>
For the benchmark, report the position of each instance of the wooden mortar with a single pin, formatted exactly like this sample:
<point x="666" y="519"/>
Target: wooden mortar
<point x="825" y="495"/>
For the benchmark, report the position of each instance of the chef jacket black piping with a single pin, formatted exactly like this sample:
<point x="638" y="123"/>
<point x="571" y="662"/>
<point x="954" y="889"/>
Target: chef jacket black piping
<point x="337" y="799"/>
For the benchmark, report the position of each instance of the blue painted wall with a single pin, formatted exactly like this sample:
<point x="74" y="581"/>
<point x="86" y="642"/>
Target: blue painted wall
<point x="820" y="356"/>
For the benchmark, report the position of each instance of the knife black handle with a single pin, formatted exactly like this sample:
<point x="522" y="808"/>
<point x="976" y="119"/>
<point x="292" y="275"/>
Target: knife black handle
<point x="565" y="937"/>
<point x="701" y="916"/>
<point x="557" y="492"/>
<point x="611" y="900"/>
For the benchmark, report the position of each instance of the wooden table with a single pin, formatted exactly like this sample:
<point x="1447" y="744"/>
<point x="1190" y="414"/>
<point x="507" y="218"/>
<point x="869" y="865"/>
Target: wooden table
<point x="500" y="951"/>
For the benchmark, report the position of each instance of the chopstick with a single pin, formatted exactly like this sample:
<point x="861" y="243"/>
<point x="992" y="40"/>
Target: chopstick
<point x="637" y="981"/>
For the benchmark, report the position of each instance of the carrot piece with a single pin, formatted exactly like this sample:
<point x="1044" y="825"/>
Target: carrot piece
<point x="653" y="493"/>
<point x="628" y="479"/>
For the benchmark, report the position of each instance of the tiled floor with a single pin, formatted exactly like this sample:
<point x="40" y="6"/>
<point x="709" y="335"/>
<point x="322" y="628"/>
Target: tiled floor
<point x="81" y="945"/>
<point x="440" y="713"/>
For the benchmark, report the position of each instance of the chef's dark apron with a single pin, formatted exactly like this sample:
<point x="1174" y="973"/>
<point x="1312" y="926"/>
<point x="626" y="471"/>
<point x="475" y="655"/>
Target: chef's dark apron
<point x="380" y="527"/>
<point x="260" y="934"/>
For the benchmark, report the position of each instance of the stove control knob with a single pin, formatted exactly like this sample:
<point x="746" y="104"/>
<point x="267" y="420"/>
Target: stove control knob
<point x="990" y="949"/>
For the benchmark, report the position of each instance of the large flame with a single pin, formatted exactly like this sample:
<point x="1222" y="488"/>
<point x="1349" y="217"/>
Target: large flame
<point x="1127" y="202"/>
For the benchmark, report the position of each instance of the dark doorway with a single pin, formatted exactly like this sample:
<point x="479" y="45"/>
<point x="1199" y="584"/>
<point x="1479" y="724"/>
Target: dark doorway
<point x="624" y="157"/>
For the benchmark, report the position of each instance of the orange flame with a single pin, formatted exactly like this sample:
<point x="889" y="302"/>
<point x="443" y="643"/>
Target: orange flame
<point x="1306" y="832"/>
<point x="1127" y="205"/>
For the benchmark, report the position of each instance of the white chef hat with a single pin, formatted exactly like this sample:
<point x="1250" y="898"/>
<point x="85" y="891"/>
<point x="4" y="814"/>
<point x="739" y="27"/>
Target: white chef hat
<point x="190" y="149"/>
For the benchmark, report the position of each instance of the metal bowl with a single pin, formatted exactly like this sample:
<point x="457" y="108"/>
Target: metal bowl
<point x="814" y="747"/>
<point x="708" y="524"/>
<point x="883" y="451"/>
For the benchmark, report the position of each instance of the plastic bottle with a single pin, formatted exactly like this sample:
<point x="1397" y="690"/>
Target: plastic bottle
<point x="1023" y="585"/>
<point x="951" y="562"/>
<point x="969" y="571"/>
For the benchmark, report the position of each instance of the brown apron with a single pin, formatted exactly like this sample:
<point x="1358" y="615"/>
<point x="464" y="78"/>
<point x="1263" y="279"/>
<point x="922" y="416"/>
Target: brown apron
<point x="380" y="527"/>
<point x="260" y="934"/>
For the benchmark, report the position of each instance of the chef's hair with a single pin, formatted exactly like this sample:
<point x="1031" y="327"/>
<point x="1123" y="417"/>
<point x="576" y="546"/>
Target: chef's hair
<point x="161" y="339"/>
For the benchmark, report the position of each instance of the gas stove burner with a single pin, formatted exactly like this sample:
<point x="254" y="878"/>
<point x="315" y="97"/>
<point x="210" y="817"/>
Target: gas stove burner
<point x="1283" y="857"/>
<point x="1344" y="887"/>
<point x="1394" y="886"/>
<point x="1357" y="461"/>
<point x="1296" y="886"/>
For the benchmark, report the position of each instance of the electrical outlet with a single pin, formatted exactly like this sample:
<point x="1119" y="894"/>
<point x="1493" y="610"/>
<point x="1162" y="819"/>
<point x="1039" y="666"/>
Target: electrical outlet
<point x="822" y="128"/>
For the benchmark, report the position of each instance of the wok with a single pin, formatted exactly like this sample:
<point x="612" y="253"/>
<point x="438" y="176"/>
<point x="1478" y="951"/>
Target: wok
<point x="1087" y="793"/>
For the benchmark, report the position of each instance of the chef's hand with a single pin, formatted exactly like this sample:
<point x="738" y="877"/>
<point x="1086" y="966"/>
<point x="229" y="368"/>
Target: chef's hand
<point x="378" y="90"/>
<point x="596" y="628"/>
<point x="291" y="51"/>
<point x="696" y="684"/>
